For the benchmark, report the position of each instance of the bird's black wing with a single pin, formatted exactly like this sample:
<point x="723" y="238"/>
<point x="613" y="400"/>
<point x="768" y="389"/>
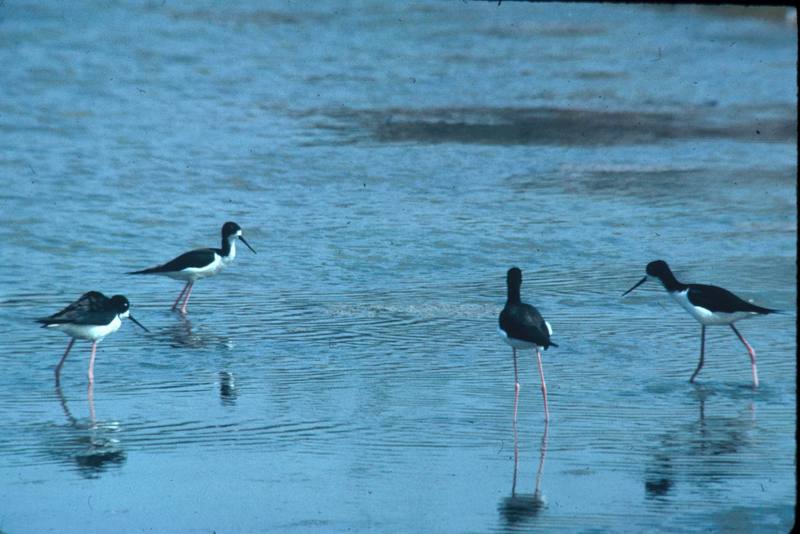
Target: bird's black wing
<point x="90" y="308"/>
<point x="717" y="299"/>
<point x="524" y="322"/>
<point x="192" y="259"/>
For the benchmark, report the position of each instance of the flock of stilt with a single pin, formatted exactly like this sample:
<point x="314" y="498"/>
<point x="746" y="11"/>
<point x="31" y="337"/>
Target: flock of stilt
<point x="94" y="316"/>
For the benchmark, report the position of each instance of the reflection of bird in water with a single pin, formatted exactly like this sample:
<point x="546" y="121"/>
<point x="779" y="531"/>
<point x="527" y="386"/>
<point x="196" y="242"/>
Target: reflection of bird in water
<point x="719" y="435"/>
<point x="520" y="507"/>
<point x="183" y="334"/>
<point x="227" y="388"/>
<point x="700" y="453"/>
<point x="87" y="444"/>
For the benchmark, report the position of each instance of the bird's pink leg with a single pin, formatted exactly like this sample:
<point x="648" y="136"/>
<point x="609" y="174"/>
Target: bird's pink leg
<point x="542" y="454"/>
<point x="544" y="386"/>
<point x="516" y="387"/>
<point x="180" y="295"/>
<point x="186" y="299"/>
<point x="516" y="462"/>
<point x="91" y="362"/>
<point x="752" y="356"/>
<point x="62" y="360"/>
<point x="702" y="351"/>
<point x="90" y="399"/>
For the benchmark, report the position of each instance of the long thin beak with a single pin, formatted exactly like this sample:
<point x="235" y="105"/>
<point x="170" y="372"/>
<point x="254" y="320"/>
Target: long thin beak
<point x="640" y="282"/>
<point x="246" y="243"/>
<point x="137" y="322"/>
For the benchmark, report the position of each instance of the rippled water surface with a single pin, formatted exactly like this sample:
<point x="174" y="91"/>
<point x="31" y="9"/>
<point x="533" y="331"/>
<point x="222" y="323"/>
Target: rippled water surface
<point x="389" y="162"/>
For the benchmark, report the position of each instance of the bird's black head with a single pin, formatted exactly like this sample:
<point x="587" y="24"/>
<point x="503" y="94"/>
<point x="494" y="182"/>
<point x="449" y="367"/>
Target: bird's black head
<point x="122" y="307"/>
<point x="230" y="231"/>
<point x="119" y="304"/>
<point x="514" y="277"/>
<point x="658" y="269"/>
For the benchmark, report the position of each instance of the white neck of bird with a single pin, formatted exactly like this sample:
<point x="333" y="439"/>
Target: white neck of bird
<point x="231" y="249"/>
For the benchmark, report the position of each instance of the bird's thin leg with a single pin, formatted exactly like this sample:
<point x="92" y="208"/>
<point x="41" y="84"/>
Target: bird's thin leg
<point x="186" y="299"/>
<point x="516" y="387"/>
<point x="180" y="295"/>
<point x="62" y="360"/>
<point x="752" y="356"/>
<point x="90" y="399"/>
<point x="544" y="386"/>
<point x="91" y="362"/>
<point x="516" y="462"/>
<point x="542" y="454"/>
<point x="702" y="351"/>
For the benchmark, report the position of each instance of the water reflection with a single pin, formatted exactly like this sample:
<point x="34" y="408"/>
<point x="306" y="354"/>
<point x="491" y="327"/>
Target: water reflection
<point x="719" y="435"/>
<point x="521" y="507"/>
<point x="184" y="334"/>
<point x="227" y="388"/>
<point x="659" y="478"/>
<point x="704" y="452"/>
<point x="88" y="443"/>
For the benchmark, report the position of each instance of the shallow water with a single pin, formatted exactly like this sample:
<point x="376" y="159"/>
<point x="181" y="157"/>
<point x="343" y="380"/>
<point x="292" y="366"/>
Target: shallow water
<point x="389" y="162"/>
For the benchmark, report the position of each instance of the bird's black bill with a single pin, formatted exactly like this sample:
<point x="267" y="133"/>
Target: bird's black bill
<point x="137" y="322"/>
<point x="640" y="282"/>
<point x="246" y="243"/>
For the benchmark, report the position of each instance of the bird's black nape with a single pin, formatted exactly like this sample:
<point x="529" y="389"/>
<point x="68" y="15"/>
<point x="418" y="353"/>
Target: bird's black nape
<point x="514" y="282"/>
<point x="659" y="269"/>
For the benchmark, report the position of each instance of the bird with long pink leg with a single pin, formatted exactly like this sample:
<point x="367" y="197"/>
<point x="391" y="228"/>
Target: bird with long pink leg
<point x="200" y="263"/>
<point x="709" y="305"/>
<point x="523" y="327"/>
<point x="92" y="317"/>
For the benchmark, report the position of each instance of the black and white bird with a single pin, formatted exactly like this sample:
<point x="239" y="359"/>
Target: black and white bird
<point x="200" y="263"/>
<point x="91" y="317"/>
<point x="523" y="327"/>
<point x="709" y="305"/>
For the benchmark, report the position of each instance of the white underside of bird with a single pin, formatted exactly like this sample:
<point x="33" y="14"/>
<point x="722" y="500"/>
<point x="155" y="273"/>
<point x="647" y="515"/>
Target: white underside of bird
<point x="91" y="332"/>
<point x="705" y="316"/>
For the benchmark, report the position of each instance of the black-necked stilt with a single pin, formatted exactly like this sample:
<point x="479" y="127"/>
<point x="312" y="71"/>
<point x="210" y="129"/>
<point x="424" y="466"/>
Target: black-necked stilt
<point x="522" y="327"/>
<point x="710" y="305"/>
<point x="200" y="263"/>
<point x="91" y="317"/>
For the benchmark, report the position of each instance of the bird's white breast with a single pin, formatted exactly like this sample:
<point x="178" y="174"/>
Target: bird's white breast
<point x="705" y="316"/>
<point x="91" y="332"/>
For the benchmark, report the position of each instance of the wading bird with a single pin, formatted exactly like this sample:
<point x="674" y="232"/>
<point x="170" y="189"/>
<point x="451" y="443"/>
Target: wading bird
<point x="522" y="327"/>
<point x="200" y="263"/>
<point x="91" y="317"/>
<point x="709" y="305"/>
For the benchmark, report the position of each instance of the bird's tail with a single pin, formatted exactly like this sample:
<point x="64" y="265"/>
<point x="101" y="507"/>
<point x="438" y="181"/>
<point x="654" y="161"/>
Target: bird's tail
<point x="151" y="270"/>
<point x="764" y="311"/>
<point x="551" y="345"/>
